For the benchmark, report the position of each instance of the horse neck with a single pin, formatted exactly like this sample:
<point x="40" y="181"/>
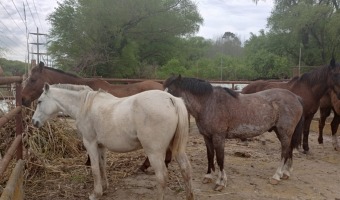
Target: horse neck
<point x="66" y="101"/>
<point x="319" y="84"/>
<point x="54" y="77"/>
<point x="193" y="103"/>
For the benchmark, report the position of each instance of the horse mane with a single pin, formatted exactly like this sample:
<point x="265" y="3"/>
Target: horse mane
<point x="230" y="92"/>
<point x="314" y="76"/>
<point x="56" y="70"/>
<point x="72" y="87"/>
<point x="195" y="86"/>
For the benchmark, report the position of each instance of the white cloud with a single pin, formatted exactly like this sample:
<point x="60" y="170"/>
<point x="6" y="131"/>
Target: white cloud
<point x="238" y="16"/>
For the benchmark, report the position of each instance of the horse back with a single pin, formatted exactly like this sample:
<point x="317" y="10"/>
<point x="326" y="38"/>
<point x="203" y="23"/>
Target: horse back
<point x="125" y="90"/>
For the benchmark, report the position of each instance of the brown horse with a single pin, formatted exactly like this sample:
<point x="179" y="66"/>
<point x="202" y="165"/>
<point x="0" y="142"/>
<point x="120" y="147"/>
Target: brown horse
<point x="310" y="86"/>
<point x="222" y="113"/>
<point x="42" y="74"/>
<point x="329" y="102"/>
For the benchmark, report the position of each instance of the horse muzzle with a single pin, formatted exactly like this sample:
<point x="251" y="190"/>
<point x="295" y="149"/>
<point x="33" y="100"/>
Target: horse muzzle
<point x="36" y="123"/>
<point x="26" y="102"/>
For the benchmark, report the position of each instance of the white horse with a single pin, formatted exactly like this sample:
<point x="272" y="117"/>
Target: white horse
<point x="153" y="120"/>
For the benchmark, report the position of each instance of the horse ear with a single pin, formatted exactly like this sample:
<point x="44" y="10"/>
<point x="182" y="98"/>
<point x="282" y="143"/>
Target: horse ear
<point x="46" y="87"/>
<point x="41" y="66"/>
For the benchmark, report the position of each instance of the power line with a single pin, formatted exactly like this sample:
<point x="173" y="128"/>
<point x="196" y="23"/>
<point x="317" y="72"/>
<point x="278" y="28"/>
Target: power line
<point x="10" y="32"/>
<point x="31" y="13"/>
<point x="18" y="12"/>
<point x="38" y="15"/>
<point x="11" y="17"/>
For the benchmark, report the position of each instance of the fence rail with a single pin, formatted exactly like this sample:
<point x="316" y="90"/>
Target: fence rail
<point x="14" y="187"/>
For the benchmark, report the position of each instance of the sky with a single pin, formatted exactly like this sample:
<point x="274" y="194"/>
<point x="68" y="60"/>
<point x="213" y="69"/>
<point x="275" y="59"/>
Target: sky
<point x="241" y="17"/>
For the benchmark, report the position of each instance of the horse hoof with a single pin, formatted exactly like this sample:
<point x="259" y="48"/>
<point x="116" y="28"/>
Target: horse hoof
<point x="218" y="187"/>
<point x="285" y="177"/>
<point x="206" y="180"/>
<point x="274" y="181"/>
<point x="336" y="148"/>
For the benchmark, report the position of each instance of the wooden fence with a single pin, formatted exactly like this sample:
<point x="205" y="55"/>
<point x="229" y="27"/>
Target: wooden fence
<point x="14" y="187"/>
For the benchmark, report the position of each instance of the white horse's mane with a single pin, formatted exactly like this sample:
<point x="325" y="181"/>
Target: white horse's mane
<point x="72" y="87"/>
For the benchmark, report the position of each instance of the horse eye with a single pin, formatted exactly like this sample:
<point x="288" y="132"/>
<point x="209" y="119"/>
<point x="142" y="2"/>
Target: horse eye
<point x="32" y="80"/>
<point x="39" y="102"/>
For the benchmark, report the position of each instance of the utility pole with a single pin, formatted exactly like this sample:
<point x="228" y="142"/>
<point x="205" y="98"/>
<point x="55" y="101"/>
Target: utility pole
<point x="38" y="44"/>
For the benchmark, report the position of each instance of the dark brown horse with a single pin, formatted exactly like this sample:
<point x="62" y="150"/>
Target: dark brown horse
<point x="310" y="86"/>
<point x="329" y="102"/>
<point x="41" y="75"/>
<point x="222" y="113"/>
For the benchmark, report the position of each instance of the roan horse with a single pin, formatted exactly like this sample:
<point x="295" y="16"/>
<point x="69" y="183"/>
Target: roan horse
<point x="222" y="113"/>
<point x="310" y="87"/>
<point x="153" y="120"/>
<point x="329" y="102"/>
<point x="41" y="74"/>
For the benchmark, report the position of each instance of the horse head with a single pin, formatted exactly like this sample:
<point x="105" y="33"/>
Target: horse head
<point x="46" y="107"/>
<point x="34" y="85"/>
<point x="170" y="84"/>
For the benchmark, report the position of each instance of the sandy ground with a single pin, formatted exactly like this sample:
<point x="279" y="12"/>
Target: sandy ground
<point x="315" y="176"/>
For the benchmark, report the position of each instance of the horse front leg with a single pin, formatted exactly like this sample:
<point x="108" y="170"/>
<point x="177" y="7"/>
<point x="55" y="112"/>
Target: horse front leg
<point x="335" y="125"/>
<point x="210" y="155"/>
<point x="92" y="150"/>
<point x="324" y="113"/>
<point x="102" y="166"/>
<point x="221" y="182"/>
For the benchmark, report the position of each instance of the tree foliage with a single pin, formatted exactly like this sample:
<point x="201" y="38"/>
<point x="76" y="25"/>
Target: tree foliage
<point x="313" y="25"/>
<point x="113" y="37"/>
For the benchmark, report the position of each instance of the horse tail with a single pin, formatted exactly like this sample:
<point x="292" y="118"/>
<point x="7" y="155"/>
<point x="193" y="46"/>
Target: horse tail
<point x="297" y="135"/>
<point x="181" y="136"/>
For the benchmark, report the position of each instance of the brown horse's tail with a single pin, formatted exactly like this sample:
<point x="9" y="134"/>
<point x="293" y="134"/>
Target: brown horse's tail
<point x="181" y="136"/>
<point x="297" y="135"/>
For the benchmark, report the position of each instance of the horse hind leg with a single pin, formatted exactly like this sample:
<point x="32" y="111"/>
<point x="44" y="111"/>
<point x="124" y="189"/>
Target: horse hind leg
<point x="285" y="166"/>
<point x="186" y="172"/>
<point x="335" y="125"/>
<point x="146" y="163"/>
<point x="161" y="172"/>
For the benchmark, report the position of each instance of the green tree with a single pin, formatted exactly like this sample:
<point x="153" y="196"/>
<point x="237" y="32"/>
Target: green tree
<point x="311" y="25"/>
<point x="105" y="34"/>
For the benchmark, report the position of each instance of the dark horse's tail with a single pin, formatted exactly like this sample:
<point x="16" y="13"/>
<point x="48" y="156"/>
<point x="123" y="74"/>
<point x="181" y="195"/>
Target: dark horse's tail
<point x="297" y="135"/>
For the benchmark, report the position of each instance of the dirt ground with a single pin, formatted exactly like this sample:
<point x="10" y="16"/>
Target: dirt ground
<point x="248" y="167"/>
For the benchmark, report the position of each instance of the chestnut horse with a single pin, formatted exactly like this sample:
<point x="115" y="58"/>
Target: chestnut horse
<point x="222" y="113"/>
<point x="329" y="102"/>
<point x="42" y="74"/>
<point x="310" y="87"/>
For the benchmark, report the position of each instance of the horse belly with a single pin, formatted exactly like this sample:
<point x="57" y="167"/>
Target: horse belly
<point x="248" y="130"/>
<point x="120" y="141"/>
